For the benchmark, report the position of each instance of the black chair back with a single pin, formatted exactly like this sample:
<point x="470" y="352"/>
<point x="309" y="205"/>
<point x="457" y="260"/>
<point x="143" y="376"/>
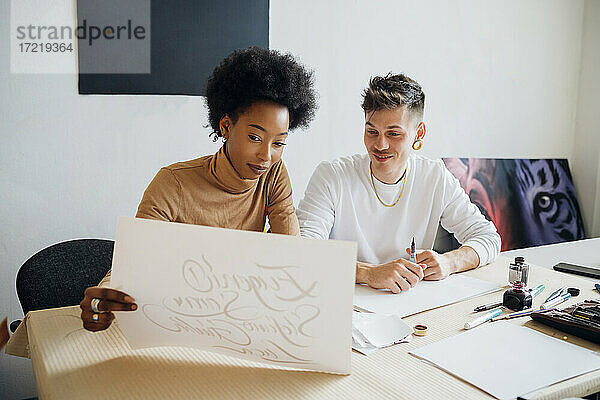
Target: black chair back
<point x="58" y="275"/>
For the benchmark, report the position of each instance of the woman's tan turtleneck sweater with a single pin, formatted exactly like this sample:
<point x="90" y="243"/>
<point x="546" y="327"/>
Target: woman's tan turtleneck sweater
<point x="208" y="191"/>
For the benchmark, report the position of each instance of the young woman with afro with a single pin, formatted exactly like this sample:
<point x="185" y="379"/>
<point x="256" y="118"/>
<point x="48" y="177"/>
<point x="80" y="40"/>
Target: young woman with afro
<point x="254" y="98"/>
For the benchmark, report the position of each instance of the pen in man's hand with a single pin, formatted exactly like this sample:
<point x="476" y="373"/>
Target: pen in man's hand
<point x="413" y="251"/>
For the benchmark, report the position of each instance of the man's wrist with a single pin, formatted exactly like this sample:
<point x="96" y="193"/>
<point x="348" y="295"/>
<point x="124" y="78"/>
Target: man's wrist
<point x="462" y="259"/>
<point x="455" y="261"/>
<point x="362" y="270"/>
<point x="473" y="255"/>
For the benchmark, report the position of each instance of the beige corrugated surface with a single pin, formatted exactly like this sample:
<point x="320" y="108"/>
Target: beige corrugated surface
<point x="70" y="362"/>
<point x="18" y="344"/>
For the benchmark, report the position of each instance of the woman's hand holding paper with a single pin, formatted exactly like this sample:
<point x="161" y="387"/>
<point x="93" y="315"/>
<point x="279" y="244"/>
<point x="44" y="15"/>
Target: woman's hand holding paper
<point x="107" y="301"/>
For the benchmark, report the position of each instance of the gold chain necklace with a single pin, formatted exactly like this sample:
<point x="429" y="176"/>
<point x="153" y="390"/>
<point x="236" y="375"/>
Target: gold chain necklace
<point x="375" y="190"/>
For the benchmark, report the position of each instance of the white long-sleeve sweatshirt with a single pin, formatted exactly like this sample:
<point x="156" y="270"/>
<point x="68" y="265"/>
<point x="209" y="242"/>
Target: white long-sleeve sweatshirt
<point x="340" y="203"/>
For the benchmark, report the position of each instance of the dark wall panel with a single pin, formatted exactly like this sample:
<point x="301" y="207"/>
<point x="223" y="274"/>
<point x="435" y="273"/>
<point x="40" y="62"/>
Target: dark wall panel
<point x="188" y="39"/>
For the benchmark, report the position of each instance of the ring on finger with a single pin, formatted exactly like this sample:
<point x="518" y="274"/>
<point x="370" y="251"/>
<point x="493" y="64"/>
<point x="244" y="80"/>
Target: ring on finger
<point x="94" y="304"/>
<point x="95" y="317"/>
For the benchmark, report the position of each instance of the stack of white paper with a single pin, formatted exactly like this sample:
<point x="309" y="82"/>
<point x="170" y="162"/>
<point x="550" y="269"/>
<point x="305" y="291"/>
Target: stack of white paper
<point x="371" y="332"/>
<point x="425" y="296"/>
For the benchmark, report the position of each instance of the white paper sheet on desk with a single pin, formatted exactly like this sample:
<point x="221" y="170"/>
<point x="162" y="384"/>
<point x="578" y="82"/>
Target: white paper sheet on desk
<point x="368" y="349"/>
<point x="508" y="360"/>
<point x="380" y="330"/>
<point x="272" y="298"/>
<point x="371" y="332"/>
<point x="426" y="295"/>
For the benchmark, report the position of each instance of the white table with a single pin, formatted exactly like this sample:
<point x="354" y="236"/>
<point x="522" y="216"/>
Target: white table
<point x="581" y="252"/>
<point x="71" y="363"/>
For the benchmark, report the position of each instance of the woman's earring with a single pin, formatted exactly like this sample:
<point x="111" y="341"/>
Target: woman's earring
<point x="417" y="144"/>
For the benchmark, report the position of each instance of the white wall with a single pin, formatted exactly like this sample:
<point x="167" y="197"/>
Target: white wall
<point x="586" y="163"/>
<point x="501" y="79"/>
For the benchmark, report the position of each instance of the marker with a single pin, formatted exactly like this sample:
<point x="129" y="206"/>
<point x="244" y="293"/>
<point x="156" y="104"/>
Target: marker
<point x="538" y="290"/>
<point x="484" y="318"/>
<point x="598" y="287"/>
<point x="520" y="314"/>
<point x="413" y="256"/>
<point x="486" y="307"/>
<point x="556" y="293"/>
<point x="560" y="299"/>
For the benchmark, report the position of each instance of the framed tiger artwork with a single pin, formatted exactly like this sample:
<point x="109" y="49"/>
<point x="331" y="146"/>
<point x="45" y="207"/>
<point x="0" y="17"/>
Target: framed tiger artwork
<point x="532" y="202"/>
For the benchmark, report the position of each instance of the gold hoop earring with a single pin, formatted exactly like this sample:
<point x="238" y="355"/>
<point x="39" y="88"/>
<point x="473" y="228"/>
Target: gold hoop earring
<point x="417" y="144"/>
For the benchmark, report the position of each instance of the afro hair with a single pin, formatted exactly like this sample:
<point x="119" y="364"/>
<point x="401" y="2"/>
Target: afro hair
<point x="256" y="74"/>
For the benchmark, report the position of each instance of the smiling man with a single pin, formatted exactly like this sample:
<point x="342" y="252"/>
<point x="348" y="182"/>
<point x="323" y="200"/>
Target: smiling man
<point x="386" y="197"/>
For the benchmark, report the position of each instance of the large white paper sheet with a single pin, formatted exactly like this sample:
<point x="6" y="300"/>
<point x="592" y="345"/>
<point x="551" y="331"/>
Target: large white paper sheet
<point x="272" y="298"/>
<point x="508" y="360"/>
<point x="426" y="295"/>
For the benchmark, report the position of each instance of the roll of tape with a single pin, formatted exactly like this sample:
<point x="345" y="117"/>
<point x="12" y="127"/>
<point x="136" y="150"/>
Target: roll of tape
<point x="420" y="330"/>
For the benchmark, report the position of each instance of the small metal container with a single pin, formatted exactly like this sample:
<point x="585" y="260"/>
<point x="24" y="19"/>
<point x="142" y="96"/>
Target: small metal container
<point x="518" y="271"/>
